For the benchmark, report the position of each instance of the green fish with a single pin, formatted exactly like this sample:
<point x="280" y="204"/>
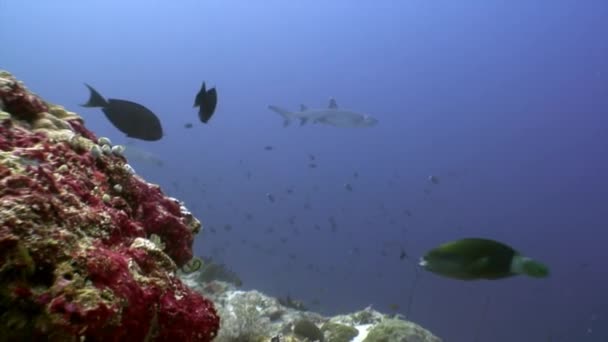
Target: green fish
<point x="475" y="258"/>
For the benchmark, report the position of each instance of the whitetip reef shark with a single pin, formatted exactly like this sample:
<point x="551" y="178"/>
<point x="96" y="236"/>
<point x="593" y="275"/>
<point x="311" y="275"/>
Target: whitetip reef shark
<point x="332" y="115"/>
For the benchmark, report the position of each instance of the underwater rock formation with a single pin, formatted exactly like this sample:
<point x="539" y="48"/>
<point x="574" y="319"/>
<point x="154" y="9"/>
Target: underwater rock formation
<point x="255" y="317"/>
<point x="76" y="223"/>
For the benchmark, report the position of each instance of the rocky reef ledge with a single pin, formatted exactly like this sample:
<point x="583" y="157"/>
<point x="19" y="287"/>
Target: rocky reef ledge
<point x="88" y="249"/>
<point x="255" y="317"/>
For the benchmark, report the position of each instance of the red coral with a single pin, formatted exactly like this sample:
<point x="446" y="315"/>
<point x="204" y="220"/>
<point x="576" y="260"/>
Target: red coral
<point x="20" y="102"/>
<point x="78" y="127"/>
<point x="189" y="318"/>
<point x="75" y="218"/>
<point x="162" y="216"/>
<point x="12" y="137"/>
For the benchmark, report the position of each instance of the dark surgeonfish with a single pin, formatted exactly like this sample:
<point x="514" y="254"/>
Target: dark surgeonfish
<point x="475" y="258"/>
<point x="133" y="119"/>
<point x="206" y="101"/>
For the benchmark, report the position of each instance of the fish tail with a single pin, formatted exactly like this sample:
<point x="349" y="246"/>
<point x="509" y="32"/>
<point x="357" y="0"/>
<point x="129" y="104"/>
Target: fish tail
<point x="531" y="267"/>
<point x="283" y="113"/>
<point x="95" y="99"/>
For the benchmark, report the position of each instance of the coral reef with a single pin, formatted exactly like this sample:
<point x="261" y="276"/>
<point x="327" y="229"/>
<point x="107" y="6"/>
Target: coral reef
<point x="336" y="332"/>
<point x="395" y="330"/>
<point x="208" y="270"/>
<point x="255" y="317"/>
<point x="76" y="259"/>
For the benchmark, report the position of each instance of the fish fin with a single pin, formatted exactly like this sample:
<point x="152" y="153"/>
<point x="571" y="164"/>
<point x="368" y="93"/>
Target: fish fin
<point x="200" y="96"/>
<point x="529" y="267"/>
<point x="303" y="121"/>
<point x="332" y="103"/>
<point x="95" y="99"/>
<point x="283" y="113"/>
<point x="303" y="108"/>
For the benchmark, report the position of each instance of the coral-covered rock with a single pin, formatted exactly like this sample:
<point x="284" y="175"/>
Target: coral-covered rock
<point x="76" y="260"/>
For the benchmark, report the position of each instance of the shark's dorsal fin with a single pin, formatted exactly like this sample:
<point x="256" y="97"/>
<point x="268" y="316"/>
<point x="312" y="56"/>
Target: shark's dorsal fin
<point x="332" y="103"/>
<point x="303" y="108"/>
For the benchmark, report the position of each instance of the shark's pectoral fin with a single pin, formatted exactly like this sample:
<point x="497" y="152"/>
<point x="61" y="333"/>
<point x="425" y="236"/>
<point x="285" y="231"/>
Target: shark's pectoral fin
<point x="303" y="121"/>
<point x="332" y="103"/>
<point x="285" y="114"/>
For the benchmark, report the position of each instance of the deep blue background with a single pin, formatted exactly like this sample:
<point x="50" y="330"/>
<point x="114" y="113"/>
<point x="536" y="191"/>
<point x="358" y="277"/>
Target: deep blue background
<point x="505" y="101"/>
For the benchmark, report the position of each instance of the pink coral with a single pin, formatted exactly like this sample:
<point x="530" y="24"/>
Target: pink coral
<point x="18" y="100"/>
<point x="74" y="261"/>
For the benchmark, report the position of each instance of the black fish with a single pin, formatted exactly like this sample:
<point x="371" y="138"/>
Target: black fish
<point x="206" y="101"/>
<point x="133" y="119"/>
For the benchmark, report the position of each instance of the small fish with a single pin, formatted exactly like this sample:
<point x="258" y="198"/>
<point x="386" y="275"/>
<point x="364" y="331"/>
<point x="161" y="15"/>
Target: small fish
<point x="348" y="187"/>
<point x="270" y="197"/>
<point x="268" y="148"/>
<point x="333" y="224"/>
<point x="312" y="165"/>
<point x="188" y="125"/>
<point x="311" y="157"/>
<point x="133" y="119"/>
<point x="403" y="254"/>
<point x="475" y="258"/>
<point x="206" y="101"/>
<point x="433" y="179"/>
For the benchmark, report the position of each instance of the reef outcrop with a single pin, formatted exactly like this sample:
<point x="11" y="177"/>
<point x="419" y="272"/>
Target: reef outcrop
<point x="88" y="249"/>
<point x="256" y="317"/>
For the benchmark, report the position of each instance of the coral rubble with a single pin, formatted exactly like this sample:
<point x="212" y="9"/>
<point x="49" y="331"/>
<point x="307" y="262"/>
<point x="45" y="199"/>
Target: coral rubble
<point x="76" y="260"/>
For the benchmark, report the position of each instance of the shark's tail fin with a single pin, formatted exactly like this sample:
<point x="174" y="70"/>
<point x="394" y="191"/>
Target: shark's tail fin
<point x="283" y="113"/>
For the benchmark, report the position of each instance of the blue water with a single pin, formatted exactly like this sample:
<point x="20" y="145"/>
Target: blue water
<point x="504" y="101"/>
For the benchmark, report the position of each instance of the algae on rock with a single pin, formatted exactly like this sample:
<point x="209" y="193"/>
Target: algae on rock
<point x="396" y="330"/>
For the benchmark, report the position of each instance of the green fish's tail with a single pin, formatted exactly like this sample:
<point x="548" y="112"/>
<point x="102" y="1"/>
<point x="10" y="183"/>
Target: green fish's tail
<point x="529" y="267"/>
